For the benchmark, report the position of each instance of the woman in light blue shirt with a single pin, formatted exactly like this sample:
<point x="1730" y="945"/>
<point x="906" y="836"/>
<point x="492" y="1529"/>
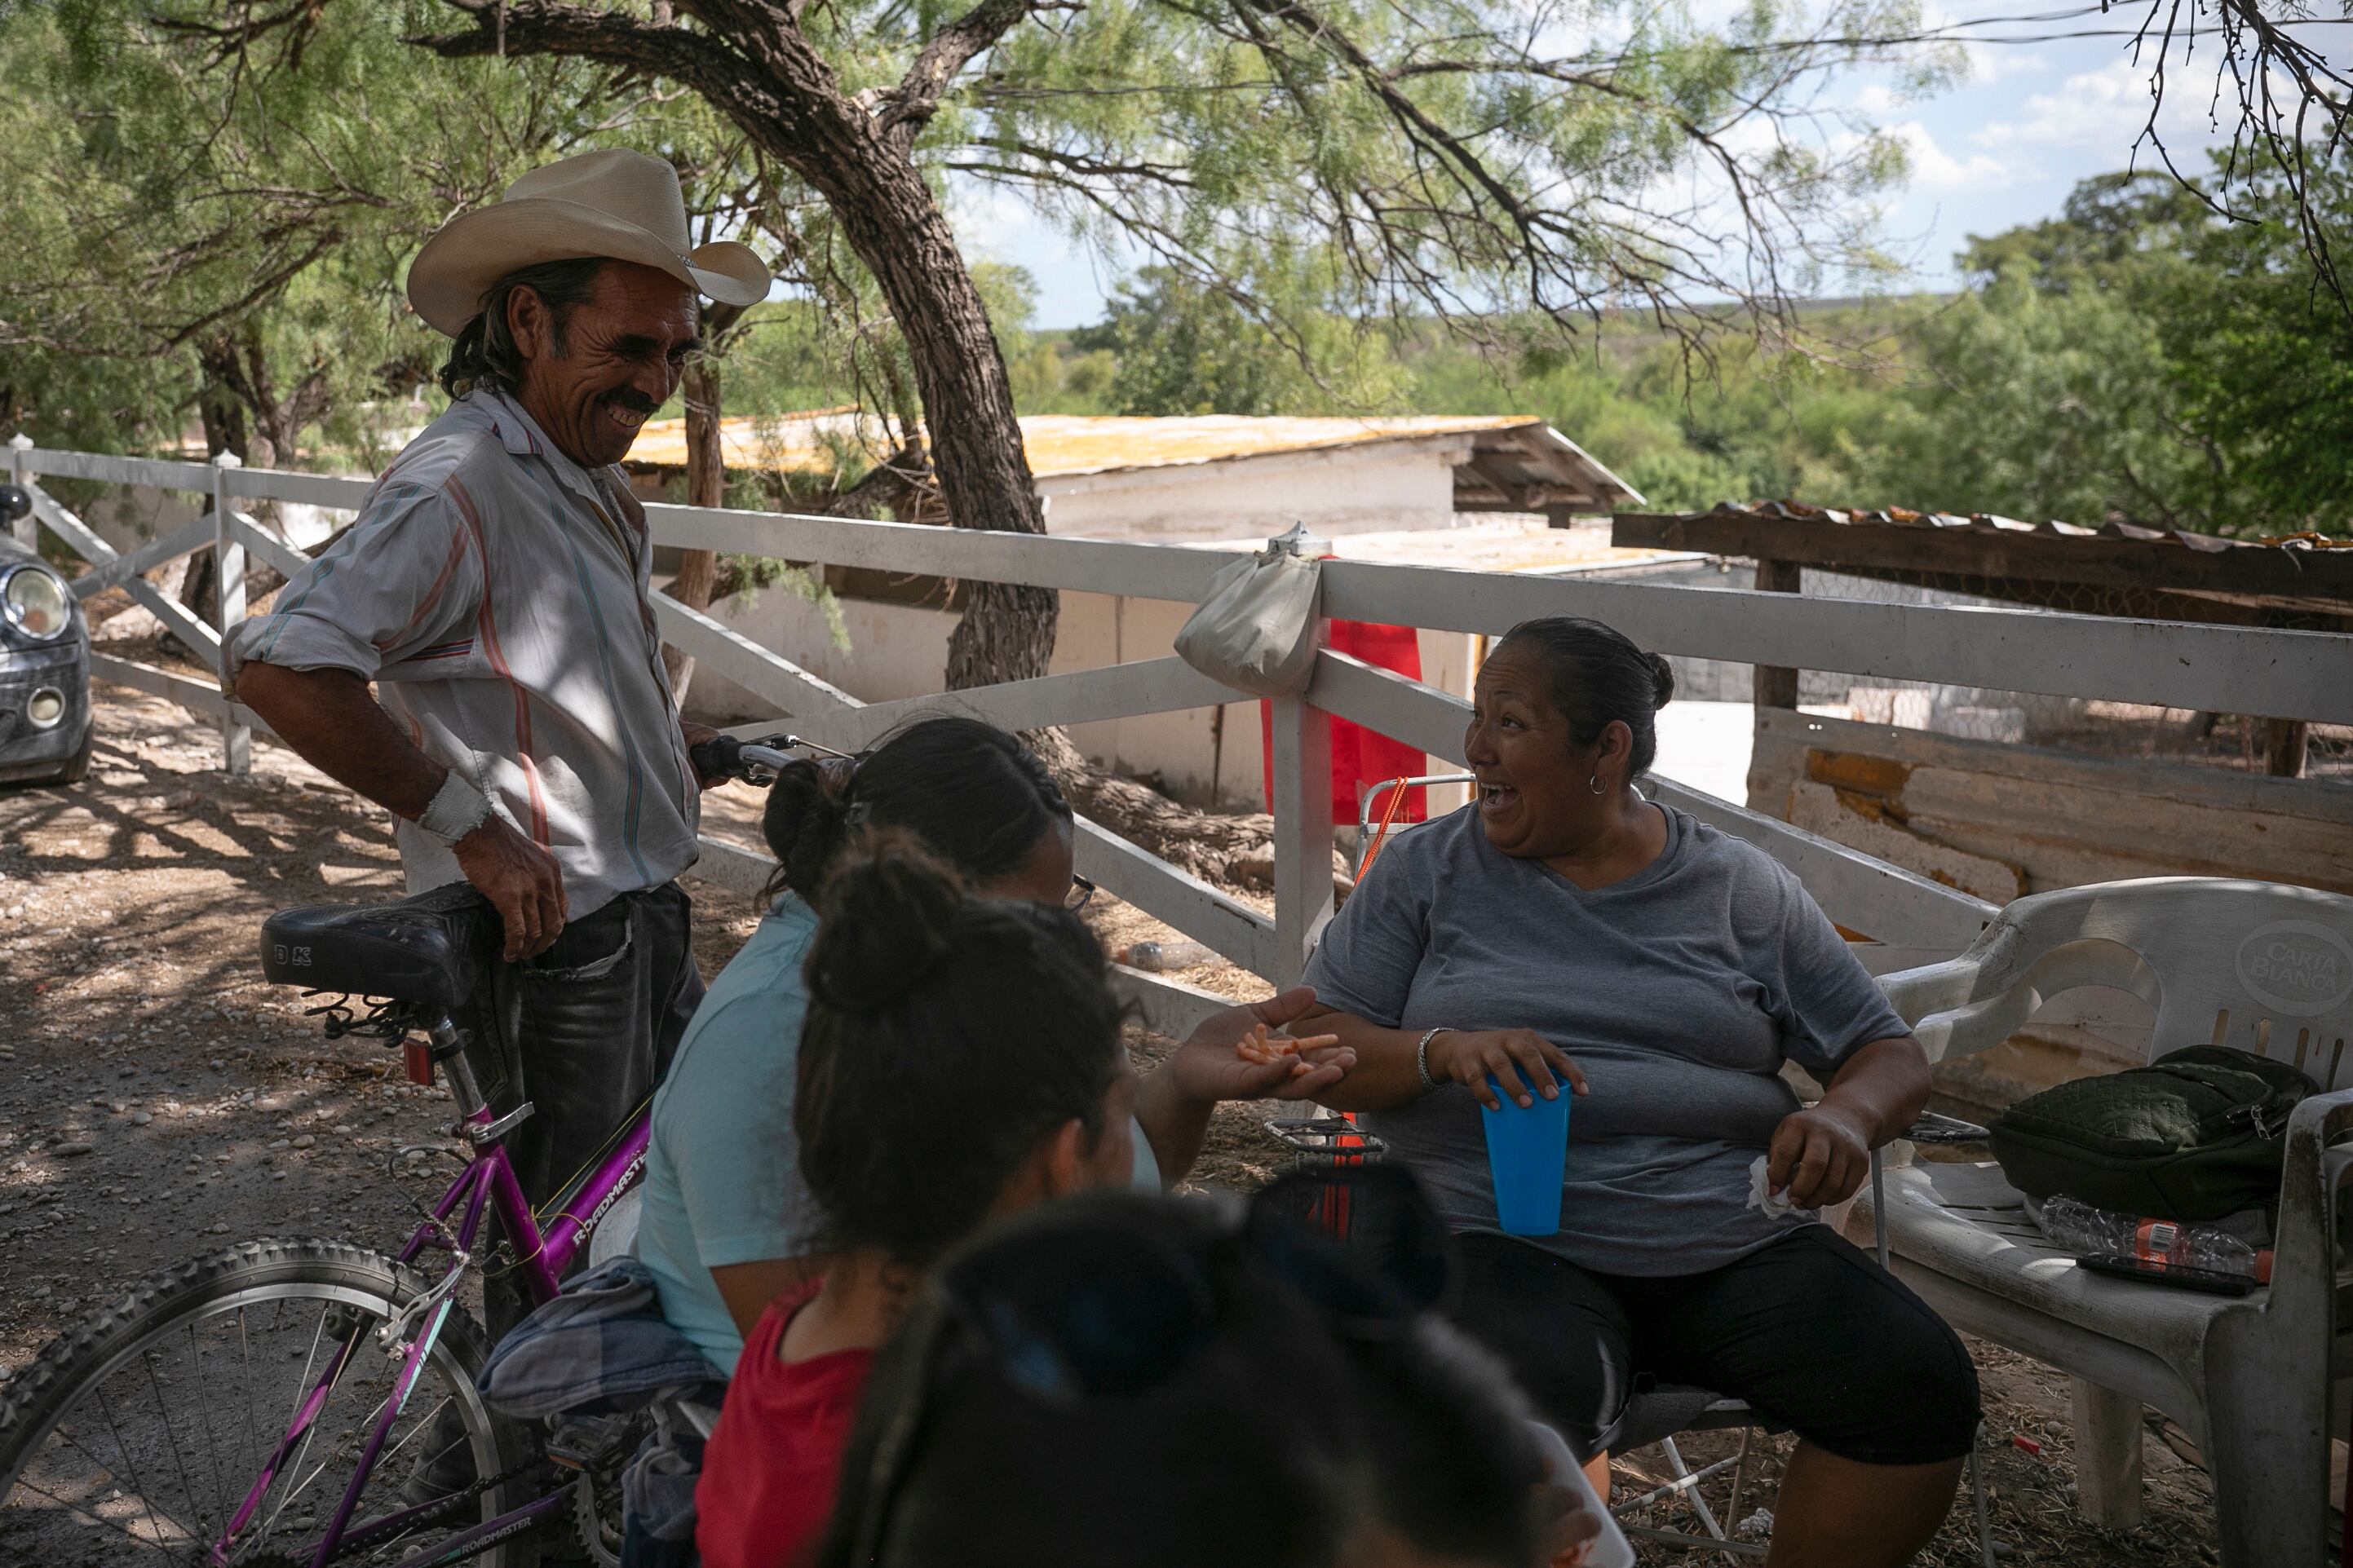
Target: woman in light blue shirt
<point x="725" y="1220"/>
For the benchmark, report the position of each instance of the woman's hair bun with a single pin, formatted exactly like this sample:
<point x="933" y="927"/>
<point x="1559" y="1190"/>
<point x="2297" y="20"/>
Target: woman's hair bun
<point x="888" y="919"/>
<point x="806" y="822"/>
<point x="1662" y="679"/>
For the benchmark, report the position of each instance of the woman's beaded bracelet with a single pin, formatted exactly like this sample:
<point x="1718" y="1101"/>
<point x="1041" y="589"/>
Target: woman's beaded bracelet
<point x="1422" y="1057"/>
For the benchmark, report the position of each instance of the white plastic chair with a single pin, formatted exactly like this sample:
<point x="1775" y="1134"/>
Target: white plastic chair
<point x="2252" y="964"/>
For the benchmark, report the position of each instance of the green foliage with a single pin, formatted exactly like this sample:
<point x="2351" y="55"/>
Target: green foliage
<point x="2263" y="363"/>
<point x="202" y="231"/>
<point x="1758" y="424"/>
<point x="1178" y="347"/>
<point x="1457" y="158"/>
<point x="2140" y="357"/>
<point x="2135" y="358"/>
<point x="214" y="201"/>
<point x="2037" y="404"/>
<point x="742" y="579"/>
<point x="200" y="227"/>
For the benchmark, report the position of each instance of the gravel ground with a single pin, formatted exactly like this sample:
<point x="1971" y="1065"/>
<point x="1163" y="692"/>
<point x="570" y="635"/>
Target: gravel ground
<point x="2030" y="1494"/>
<point x="156" y="1098"/>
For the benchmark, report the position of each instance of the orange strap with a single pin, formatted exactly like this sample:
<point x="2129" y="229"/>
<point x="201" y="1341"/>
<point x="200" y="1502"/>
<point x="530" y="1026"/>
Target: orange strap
<point x="1380" y="834"/>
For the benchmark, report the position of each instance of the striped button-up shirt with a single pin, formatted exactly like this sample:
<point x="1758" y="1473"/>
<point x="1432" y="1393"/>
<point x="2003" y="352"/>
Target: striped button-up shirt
<point x="498" y="594"/>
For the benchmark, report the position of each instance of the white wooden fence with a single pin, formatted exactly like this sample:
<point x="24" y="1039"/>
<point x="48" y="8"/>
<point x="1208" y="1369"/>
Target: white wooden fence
<point x="2277" y="674"/>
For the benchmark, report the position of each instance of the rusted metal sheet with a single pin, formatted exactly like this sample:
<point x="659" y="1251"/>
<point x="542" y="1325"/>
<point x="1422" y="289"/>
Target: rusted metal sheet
<point x="2115" y="570"/>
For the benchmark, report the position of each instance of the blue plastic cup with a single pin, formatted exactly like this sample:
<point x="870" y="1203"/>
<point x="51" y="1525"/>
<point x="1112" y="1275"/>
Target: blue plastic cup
<point x="1527" y="1151"/>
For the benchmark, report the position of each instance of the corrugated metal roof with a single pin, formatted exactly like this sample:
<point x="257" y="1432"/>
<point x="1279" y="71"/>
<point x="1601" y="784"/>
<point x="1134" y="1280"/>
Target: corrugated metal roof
<point x="1989" y="523"/>
<point x="1534" y="548"/>
<point x="811" y="441"/>
<point x="1517" y="463"/>
<point x="1062" y="445"/>
<point x="2117" y="569"/>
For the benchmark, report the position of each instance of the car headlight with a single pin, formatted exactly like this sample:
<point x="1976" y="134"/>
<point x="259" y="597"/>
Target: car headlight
<point x="36" y="604"/>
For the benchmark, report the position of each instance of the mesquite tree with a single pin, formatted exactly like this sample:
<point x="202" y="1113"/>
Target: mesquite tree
<point x="1469" y="158"/>
<point x="190" y="209"/>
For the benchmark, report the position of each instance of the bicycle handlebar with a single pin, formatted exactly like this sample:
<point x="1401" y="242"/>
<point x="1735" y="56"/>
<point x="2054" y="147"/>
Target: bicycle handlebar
<point x="718" y="757"/>
<point x="750" y="762"/>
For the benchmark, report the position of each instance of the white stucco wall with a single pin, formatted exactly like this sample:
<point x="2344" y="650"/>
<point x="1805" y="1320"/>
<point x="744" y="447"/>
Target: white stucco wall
<point x="1354" y="489"/>
<point x="897" y="650"/>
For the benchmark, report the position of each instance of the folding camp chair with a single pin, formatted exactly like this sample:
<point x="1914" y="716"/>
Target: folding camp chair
<point x="1662" y="1414"/>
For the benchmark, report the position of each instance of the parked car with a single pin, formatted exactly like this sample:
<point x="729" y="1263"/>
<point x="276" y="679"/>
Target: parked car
<point x="45" y="725"/>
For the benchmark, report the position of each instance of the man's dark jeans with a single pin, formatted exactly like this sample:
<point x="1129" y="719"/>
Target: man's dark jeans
<point x="584" y="1031"/>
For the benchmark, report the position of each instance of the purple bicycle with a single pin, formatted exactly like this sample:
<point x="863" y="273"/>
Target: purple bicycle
<point x="286" y="1403"/>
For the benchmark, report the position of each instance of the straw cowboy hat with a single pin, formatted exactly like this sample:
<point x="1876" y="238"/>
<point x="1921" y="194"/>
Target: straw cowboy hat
<point x="619" y="205"/>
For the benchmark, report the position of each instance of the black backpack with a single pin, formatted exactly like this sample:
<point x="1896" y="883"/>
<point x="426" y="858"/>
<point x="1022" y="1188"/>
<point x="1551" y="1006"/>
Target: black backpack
<point x="2196" y="1134"/>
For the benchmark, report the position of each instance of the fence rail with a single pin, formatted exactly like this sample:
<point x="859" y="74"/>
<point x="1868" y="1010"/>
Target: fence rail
<point x="2277" y="674"/>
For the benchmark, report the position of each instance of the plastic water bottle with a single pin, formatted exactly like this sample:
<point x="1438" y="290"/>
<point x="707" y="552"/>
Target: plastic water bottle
<point x="1159" y="957"/>
<point x="2089" y="1231"/>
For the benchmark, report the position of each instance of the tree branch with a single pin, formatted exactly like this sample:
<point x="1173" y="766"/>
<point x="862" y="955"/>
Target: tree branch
<point x="917" y="97"/>
<point x="697" y="60"/>
<point x="260" y="290"/>
<point x="2259" y="54"/>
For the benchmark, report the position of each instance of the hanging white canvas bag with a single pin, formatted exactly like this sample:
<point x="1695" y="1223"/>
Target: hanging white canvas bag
<point x="1257" y="629"/>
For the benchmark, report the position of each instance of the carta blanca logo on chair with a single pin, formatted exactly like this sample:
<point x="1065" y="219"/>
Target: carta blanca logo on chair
<point x="2299" y="967"/>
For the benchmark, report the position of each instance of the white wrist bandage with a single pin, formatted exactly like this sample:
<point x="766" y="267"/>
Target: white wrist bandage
<point x="458" y="809"/>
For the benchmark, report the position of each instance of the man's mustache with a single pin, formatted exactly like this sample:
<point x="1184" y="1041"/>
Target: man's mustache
<point x="630" y="398"/>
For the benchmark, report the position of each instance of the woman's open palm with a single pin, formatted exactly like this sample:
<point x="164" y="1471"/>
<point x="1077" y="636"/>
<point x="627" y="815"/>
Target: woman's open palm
<point x="1209" y="1066"/>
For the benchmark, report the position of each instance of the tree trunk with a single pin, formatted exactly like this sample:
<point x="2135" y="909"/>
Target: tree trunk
<point x="706" y="485"/>
<point x="2284" y="747"/>
<point x="889" y="217"/>
<point x="218" y="403"/>
<point x="1007" y="633"/>
<point x="227" y="429"/>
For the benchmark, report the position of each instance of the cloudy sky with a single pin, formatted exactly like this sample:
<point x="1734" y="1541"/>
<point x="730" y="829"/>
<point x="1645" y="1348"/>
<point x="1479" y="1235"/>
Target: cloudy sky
<point x="2004" y="147"/>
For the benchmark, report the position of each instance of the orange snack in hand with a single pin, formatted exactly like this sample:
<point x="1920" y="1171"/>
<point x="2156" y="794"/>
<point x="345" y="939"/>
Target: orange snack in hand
<point x="1264" y="1046"/>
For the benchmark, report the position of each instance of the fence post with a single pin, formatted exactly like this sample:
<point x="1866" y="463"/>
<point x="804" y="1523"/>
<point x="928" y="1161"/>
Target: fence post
<point x="28" y="527"/>
<point x="229" y="559"/>
<point x="1776" y="686"/>
<point x="2284" y="747"/>
<point x="1302" y="811"/>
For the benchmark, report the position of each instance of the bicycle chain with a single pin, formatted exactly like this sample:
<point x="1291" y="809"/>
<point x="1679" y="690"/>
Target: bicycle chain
<point x="368" y="1535"/>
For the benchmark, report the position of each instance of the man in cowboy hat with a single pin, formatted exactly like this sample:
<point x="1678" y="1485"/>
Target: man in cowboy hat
<point x="495" y="587"/>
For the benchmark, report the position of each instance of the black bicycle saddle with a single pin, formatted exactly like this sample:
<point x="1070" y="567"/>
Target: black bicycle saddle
<point x="432" y="949"/>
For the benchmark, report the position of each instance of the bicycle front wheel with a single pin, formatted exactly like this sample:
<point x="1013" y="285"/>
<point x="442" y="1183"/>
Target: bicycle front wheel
<point x="143" y="1434"/>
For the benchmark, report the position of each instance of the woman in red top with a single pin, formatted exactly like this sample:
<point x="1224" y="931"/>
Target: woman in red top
<point x="961" y="1061"/>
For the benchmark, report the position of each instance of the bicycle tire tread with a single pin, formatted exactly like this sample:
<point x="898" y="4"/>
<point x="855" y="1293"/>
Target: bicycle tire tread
<point x="157" y="1294"/>
<point x="39" y="1394"/>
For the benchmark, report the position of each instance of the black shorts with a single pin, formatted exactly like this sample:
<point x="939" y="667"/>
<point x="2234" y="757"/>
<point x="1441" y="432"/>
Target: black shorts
<point x="1808" y="1330"/>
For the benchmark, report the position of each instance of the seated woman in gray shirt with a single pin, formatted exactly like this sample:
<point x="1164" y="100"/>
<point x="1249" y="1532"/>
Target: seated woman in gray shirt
<point x="1662" y="972"/>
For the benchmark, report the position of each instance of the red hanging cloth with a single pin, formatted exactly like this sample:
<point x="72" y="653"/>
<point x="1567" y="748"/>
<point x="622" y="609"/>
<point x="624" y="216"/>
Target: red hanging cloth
<point x="1362" y="756"/>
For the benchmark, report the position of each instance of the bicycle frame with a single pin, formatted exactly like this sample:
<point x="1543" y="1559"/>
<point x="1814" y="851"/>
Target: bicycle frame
<point x="487" y="1184"/>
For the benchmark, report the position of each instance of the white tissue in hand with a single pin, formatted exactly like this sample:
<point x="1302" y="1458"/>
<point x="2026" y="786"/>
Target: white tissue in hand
<point x="1761" y="1194"/>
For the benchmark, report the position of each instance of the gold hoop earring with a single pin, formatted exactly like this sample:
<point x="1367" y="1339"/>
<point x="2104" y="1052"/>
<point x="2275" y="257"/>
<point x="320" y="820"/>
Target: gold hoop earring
<point x="1596" y="786"/>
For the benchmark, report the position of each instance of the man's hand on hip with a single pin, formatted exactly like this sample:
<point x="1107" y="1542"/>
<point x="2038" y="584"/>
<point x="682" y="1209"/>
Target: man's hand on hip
<point x="522" y="881"/>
